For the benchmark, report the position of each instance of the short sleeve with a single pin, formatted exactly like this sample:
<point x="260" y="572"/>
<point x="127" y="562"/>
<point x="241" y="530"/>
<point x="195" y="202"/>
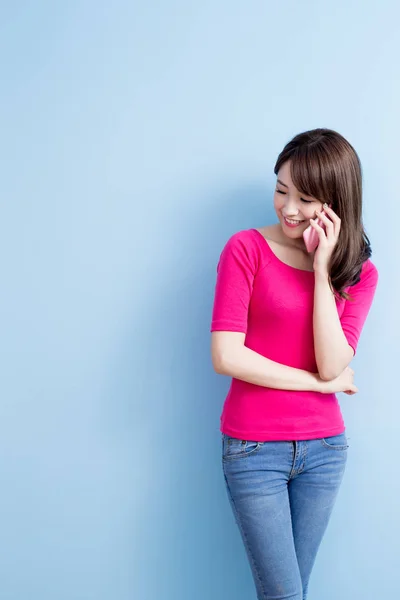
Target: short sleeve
<point x="236" y="269"/>
<point x="356" y="311"/>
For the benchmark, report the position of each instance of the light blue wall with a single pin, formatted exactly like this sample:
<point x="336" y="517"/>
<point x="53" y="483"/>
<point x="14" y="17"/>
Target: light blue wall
<point x="135" y="139"/>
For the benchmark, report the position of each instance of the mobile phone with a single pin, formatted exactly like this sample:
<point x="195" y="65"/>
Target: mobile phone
<point x="310" y="235"/>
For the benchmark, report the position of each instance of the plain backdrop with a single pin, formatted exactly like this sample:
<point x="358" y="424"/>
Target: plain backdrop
<point x="135" y="138"/>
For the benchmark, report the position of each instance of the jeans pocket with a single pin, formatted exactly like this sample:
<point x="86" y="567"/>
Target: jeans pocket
<point x="234" y="448"/>
<point x="336" y="442"/>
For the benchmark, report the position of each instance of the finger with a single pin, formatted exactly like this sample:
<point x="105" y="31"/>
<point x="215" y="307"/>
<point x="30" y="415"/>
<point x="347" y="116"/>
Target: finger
<point x="329" y="225"/>
<point x="353" y="389"/>
<point x="335" y="218"/>
<point x="324" y="218"/>
<point x="331" y="213"/>
<point x="332" y="228"/>
<point x="319" y="229"/>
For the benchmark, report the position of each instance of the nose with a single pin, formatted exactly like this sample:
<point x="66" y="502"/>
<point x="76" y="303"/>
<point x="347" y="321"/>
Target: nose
<point x="291" y="207"/>
<point x="291" y="211"/>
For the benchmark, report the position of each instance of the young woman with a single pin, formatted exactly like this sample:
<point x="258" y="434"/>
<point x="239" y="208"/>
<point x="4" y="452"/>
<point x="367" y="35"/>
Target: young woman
<point x="285" y="326"/>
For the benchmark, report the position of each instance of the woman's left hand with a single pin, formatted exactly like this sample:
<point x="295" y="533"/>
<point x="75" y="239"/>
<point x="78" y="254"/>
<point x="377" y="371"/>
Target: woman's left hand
<point x="327" y="240"/>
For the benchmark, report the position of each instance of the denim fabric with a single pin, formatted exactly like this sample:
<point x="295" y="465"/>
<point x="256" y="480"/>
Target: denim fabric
<point x="282" y="495"/>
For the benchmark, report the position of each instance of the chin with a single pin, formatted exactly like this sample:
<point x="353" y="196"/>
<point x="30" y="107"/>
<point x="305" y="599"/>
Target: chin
<point x="298" y="232"/>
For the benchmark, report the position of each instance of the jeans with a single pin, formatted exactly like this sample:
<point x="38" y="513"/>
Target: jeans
<point x="282" y="495"/>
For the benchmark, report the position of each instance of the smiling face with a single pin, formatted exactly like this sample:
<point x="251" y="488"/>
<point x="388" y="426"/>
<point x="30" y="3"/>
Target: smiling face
<point x="292" y="204"/>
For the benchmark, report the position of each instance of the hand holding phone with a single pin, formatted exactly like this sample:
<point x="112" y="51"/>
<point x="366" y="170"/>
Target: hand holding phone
<point x="310" y="235"/>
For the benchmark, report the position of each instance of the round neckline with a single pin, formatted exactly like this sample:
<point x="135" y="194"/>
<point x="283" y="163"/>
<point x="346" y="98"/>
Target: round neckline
<point x="277" y="257"/>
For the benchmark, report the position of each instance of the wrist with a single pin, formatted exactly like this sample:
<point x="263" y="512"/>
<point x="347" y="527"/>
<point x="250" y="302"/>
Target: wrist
<point x="321" y="274"/>
<point x="320" y="384"/>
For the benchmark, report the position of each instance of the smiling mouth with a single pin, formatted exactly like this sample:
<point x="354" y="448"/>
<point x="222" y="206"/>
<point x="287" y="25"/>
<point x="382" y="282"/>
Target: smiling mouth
<point x="293" y="220"/>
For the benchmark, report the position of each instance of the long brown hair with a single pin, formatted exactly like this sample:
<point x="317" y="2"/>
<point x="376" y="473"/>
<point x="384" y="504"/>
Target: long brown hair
<point x="323" y="164"/>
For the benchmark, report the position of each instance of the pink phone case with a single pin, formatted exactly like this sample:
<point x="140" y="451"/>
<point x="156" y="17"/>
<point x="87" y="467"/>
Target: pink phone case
<point x="310" y="235"/>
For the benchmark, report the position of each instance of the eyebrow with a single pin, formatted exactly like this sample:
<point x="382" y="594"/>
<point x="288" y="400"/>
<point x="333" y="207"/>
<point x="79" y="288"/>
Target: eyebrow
<point x="281" y="182"/>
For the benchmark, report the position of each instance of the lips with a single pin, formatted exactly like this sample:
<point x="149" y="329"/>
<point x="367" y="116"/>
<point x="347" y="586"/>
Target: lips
<point x="295" y="220"/>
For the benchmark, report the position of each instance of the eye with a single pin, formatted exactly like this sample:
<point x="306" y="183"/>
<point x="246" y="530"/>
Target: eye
<point x="302" y="199"/>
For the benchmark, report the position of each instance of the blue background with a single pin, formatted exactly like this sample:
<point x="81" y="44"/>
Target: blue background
<point x="136" y="137"/>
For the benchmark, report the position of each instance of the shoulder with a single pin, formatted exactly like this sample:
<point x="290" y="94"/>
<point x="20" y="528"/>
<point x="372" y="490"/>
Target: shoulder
<point x="245" y="239"/>
<point x="369" y="275"/>
<point x="366" y="286"/>
<point x="254" y="236"/>
<point x="245" y="246"/>
<point x="242" y="235"/>
<point x="369" y="267"/>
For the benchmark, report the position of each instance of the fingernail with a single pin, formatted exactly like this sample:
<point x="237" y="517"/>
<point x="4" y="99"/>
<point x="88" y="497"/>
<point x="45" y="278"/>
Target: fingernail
<point x="326" y="205"/>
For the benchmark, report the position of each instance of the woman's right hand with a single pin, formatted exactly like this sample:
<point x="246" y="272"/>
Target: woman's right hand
<point x="342" y="383"/>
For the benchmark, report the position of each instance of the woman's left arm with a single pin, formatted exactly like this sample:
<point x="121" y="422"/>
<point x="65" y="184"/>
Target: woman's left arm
<point x="332" y="350"/>
<point x="336" y="338"/>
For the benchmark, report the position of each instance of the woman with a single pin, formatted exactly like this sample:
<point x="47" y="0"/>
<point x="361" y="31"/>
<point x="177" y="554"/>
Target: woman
<point x="285" y="326"/>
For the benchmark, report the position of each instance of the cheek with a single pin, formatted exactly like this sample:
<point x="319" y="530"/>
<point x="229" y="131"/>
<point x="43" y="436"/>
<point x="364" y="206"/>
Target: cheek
<point x="309" y="213"/>
<point x="278" y="201"/>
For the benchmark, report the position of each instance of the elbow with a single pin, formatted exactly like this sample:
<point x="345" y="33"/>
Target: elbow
<point x="226" y="349"/>
<point x="223" y="364"/>
<point x="329" y="374"/>
<point x="219" y="366"/>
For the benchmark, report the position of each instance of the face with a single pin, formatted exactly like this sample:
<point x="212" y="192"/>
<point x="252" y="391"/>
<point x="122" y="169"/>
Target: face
<point x="290" y="203"/>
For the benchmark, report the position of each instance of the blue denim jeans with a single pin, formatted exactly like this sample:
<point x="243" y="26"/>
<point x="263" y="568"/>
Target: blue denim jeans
<point x="282" y="495"/>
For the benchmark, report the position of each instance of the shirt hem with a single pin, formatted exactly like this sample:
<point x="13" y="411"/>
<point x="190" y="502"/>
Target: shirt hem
<point x="278" y="436"/>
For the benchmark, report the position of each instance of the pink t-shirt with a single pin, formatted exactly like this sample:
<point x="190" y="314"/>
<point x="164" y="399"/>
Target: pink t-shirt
<point x="272" y="303"/>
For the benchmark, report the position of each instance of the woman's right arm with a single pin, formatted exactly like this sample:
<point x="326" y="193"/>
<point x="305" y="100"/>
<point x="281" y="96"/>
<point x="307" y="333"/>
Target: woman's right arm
<point x="231" y="357"/>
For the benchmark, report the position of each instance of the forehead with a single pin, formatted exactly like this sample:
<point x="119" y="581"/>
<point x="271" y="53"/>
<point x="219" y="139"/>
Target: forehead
<point x="284" y="174"/>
